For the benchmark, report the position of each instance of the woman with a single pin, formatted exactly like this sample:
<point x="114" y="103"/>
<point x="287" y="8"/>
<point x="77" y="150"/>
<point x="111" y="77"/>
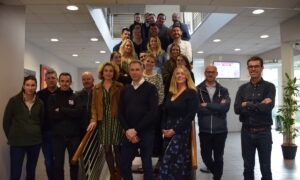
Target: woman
<point x="127" y="54"/>
<point x="22" y="123"/>
<point x="124" y="77"/>
<point x="182" y="60"/>
<point x="105" y="101"/>
<point x="180" y="109"/>
<point x="169" y="66"/>
<point x="156" y="80"/>
<point x="154" y="47"/>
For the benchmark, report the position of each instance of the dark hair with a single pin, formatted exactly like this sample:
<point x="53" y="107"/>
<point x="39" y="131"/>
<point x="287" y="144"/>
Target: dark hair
<point x="65" y="74"/>
<point x="176" y="25"/>
<point x="27" y="78"/>
<point x="137" y="14"/>
<point x="153" y="24"/>
<point x="113" y="54"/>
<point x="256" y="58"/>
<point x="188" y="65"/>
<point x="137" y="24"/>
<point x="161" y="14"/>
<point x="125" y="29"/>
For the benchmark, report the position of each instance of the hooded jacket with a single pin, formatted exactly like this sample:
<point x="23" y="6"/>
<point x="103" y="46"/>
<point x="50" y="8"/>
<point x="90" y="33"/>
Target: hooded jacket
<point x="212" y="118"/>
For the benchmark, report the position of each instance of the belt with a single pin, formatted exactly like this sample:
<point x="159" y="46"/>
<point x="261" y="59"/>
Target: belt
<point x="255" y="130"/>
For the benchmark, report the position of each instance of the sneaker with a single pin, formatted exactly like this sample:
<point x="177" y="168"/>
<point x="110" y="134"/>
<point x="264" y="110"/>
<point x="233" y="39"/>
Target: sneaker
<point x="205" y="170"/>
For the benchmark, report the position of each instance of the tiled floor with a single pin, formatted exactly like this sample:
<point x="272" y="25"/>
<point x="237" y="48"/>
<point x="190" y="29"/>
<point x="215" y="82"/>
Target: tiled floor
<point x="233" y="162"/>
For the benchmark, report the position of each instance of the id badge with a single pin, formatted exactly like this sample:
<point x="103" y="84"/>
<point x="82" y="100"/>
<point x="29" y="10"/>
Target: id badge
<point x="71" y="102"/>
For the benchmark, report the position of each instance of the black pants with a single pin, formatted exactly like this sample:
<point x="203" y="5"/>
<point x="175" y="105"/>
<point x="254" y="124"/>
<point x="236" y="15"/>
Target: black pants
<point x="60" y="144"/>
<point x="213" y="144"/>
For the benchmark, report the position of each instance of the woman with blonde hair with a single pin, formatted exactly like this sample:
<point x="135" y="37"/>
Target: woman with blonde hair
<point x="105" y="102"/>
<point x="128" y="54"/>
<point x="154" y="47"/>
<point x="180" y="109"/>
<point x="124" y="77"/>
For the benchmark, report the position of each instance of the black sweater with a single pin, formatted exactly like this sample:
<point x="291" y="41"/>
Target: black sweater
<point x="137" y="108"/>
<point x="66" y="122"/>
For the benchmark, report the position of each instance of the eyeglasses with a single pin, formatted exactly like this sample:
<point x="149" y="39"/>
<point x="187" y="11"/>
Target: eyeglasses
<point x="254" y="67"/>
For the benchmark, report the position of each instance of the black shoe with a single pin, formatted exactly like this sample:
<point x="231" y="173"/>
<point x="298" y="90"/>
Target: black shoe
<point x="205" y="170"/>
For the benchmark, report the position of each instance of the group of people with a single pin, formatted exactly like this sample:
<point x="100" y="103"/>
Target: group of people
<point x="143" y="104"/>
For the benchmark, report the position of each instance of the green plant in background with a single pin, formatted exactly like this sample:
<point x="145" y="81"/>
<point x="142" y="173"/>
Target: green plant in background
<point x="288" y="109"/>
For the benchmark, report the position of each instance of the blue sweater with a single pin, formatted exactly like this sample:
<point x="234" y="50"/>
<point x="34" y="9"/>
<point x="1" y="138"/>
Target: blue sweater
<point x="137" y="107"/>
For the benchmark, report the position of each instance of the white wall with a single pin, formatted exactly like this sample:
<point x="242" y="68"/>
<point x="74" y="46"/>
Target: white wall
<point x="12" y="40"/>
<point x="35" y="56"/>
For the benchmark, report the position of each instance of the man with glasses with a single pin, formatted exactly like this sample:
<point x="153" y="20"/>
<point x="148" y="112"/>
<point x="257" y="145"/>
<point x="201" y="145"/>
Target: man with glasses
<point x="214" y="105"/>
<point x="254" y="103"/>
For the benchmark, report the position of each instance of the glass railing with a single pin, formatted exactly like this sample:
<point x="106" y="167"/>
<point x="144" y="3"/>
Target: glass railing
<point x="193" y="20"/>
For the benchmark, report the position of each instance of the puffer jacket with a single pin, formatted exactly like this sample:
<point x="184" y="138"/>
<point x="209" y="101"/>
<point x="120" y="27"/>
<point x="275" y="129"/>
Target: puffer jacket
<point x="212" y="118"/>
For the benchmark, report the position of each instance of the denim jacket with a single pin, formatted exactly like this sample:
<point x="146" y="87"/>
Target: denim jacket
<point x="255" y="114"/>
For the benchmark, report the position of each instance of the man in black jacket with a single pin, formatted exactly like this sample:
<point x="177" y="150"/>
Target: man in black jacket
<point x="254" y="103"/>
<point x="84" y="100"/>
<point x="214" y="105"/>
<point x="64" y="113"/>
<point x="137" y="110"/>
<point x="125" y="34"/>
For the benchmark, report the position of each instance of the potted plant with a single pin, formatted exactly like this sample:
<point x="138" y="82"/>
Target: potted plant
<point x="288" y="118"/>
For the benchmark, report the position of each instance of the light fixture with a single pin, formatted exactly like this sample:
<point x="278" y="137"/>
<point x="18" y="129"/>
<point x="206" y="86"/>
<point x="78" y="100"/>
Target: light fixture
<point x="54" y="40"/>
<point x="75" y="55"/>
<point x="102" y="52"/>
<point x="200" y="52"/>
<point x="237" y="49"/>
<point x="72" y="8"/>
<point x="264" y="36"/>
<point x="94" y="39"/>
<point x="97" y="62"/>
<point x="258" y="11"/>
<point x="217" y="40"/>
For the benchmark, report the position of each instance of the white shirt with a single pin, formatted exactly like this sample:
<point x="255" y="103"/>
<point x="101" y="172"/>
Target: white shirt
<point x="185" y="49"/>
<point x="135" y="86"/>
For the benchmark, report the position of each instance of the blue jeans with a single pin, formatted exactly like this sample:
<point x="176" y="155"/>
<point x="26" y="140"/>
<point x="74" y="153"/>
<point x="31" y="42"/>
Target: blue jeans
<point x="262" y="141"/>
<point x="47" y="149"/>
<point x="17" y="155"/>
<point x="129" y="151"/>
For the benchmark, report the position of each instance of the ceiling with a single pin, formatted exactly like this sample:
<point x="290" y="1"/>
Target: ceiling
<point x="46" y="19"/>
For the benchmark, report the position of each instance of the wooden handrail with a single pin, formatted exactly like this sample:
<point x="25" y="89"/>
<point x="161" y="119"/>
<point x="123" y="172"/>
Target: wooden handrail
<point x="194" y="147"/>
<point x="81" y="147"/>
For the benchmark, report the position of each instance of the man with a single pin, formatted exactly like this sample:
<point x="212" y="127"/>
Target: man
<point x="84" y="100"/>
<point x="254" y="103"/>
<point x="66" y="126"/>
<point x="214" y="104"/>
<point x="154" y="32"/>
<point x="185" y="30"/>
<point x="151" y="19"/>
<point x="51" y="82"/>
<point x="125" y="34"/>
<point x="185" y="46"/>
<point x="137" y="110"/>
<point x="163" y="30"/>
<point x="137" y="20"/>
<point x="143" y="55"/>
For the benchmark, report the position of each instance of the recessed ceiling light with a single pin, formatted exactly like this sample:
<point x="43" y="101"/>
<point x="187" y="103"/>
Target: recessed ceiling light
<point x="237" y="49"/>
<point x="54" y="40"/>
<point x="97" y="62"/>
<point x="264" y="36"/>
<point x="102" y="52"/>
<point x="217" y="40"/>
<point x="258" y="11"/>
<point x="72" y="8"/>
<point x="75" y="55"/>
<point x="94" y="39"/>
<point x="200" y="52"/>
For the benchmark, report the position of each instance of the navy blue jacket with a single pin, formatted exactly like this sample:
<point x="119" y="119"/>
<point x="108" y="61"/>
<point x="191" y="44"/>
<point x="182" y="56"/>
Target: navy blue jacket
<point x="255" y="114"/>
<point x="212" y="118"/>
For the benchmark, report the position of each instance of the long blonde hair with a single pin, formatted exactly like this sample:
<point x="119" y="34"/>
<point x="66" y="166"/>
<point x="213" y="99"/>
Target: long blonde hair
<point x="189" y="82"/>
<point x="159" y="49"/>
<point x="133" y="55"/>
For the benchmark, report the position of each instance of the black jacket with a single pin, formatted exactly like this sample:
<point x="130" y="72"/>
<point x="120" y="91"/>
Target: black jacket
<point x="212" y="118"/>
<point x="66" y="122"/>
<point x="255" y="114"/>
